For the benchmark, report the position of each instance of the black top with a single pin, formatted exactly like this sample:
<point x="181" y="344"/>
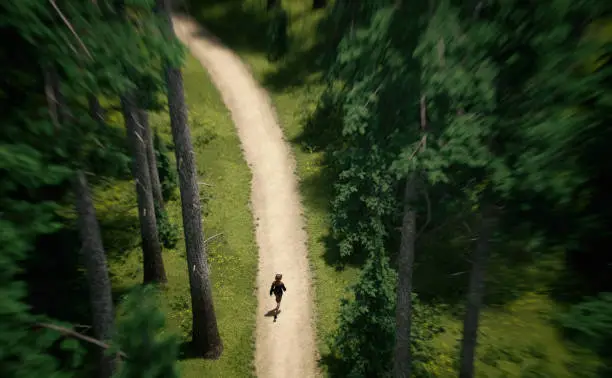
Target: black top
<point x="277" y="288"/>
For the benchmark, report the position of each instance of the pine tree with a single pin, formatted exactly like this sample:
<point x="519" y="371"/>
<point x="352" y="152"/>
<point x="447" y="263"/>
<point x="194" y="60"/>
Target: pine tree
<point x="151" y="159"/>
<point x="140" y="336"/>
<point x="167" y="174"/>
<point x="154" y="270"/>
<point x="363" y="342"/>
<point x="97" y="270"/>
<point x="365" y="188"/>
<point x="205" y="333"/>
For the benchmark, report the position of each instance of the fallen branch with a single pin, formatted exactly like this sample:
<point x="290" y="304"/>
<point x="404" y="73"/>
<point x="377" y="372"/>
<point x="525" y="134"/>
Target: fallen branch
<point x="212" y="237"/>
<point x="418" y="147"/>
<point x="72" y="333"/>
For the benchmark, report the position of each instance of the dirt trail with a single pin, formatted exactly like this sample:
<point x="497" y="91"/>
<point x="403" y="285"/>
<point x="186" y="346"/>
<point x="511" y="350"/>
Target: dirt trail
<point x="285" y="348"/>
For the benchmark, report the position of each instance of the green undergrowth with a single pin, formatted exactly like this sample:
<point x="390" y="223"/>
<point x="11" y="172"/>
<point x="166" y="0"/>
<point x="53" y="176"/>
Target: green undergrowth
<point x="516" y="340"/>
<point x="519" y="339"/>
<point x="225" y="191"/>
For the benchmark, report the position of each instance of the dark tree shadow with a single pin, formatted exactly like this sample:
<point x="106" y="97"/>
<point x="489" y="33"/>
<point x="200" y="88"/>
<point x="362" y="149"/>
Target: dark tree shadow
<point x="187" y="351"/>
<point x="335" y="368"/>
<point x="120" y="232"/>
<point x="57" y="286"/>
<point x="238" y="25"/>
<point x="295" y="69"/>
<point x="243" y="27"/>
<point x="322" y="130"/>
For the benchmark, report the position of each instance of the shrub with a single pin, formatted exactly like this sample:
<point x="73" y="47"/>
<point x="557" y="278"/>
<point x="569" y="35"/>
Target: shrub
<point x="363" y="344"/>
<point x="167" y="174"/>
<point x="167" y="231"/>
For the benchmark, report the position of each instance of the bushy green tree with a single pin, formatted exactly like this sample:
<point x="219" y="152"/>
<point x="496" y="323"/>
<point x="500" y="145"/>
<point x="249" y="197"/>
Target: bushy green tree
<point x="363" y="342"/>
<point x="25" y="353"/>
<point x="167" y="174"/>
<point x="362" y="345"/>
<point x="149" y="351"/>
<point x="365" y="189"/>
<point x="168" y="231"/>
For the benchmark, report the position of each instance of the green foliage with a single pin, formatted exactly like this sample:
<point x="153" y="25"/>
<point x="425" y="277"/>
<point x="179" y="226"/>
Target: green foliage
<point x="362" y="345"/>
<point x="365" y="189"/>
<point x="167" y="172"/>
<point x="42" y="141"/>
<point x="363" y="342"/>
<point x="590" y="322"/>
<point x="25" y="352"/>
<point x="140" y="335"/>
<point x="169" y="232"/>
<point x="510" y="116"/>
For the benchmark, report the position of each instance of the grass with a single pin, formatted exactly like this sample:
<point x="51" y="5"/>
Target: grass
<point x="232" y="254"/>
<point x="517" y="340"/>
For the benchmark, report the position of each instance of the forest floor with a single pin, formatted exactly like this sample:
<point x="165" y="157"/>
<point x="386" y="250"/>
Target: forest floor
<point x="287" y="346"/>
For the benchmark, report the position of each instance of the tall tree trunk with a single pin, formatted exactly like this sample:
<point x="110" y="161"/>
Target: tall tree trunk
<point x="96" y="270"/>
<point x="151" y="159"/>
<point x="476" y="292"/>
<point x="92" y="249"/>
<point x="152" y="253"/>
<point x="403" y="313"/>
<point x="205" y="333"/>
<point x="319" y="4"/>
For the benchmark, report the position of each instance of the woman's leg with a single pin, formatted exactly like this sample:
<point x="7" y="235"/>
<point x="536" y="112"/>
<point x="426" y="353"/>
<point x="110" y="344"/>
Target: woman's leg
<point x="278" y="301"/>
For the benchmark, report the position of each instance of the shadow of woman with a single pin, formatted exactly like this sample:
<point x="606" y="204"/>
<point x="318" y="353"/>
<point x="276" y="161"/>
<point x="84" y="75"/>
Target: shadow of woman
<point x="273" y="313"/>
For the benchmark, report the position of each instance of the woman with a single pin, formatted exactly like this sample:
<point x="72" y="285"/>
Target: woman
<point x="278" y="287"/>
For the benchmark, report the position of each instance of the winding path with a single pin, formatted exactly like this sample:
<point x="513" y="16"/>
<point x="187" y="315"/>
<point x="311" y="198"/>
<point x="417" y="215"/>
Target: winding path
<point x="285" y="348"/>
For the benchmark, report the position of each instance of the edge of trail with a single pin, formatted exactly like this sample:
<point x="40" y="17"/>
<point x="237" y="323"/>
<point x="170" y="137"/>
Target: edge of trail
<point x="286" y="347"/>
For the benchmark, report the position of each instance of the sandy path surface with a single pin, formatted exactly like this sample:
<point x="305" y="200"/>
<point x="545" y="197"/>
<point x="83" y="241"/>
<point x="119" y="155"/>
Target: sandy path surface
<point x="285" y="348"/>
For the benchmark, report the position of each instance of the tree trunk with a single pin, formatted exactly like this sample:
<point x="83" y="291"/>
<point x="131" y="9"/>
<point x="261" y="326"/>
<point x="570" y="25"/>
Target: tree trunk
<point x="271" y="4"/>
<point x="319" y="4"/>
<point x="206" y="336"/>
<point x="205" y="333"/>
<point x="152" y="253"/>
<point x="151" y="159"/>
<point x="403" y="313"/>
<point x="476" y="293"/>
<point x="96" y="269"/>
